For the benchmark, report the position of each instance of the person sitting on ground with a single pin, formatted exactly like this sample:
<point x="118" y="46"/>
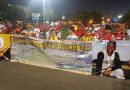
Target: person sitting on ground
<point x="108" y="62"/>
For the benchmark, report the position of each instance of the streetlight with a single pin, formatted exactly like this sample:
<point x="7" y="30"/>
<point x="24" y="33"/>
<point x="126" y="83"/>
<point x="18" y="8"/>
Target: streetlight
<point x="63" y="17"/>
<point x="108" y="19"/>
<point x="103" y="22"/>
<point x="47" y="10"/>
<point x="10" y="5"/>
<point x="119" y="16"/>
<point x="103" y="18"/>
<point x="90" y="21"/>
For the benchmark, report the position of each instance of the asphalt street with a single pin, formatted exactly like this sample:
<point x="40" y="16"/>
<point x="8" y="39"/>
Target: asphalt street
<point x="17" y="76"/>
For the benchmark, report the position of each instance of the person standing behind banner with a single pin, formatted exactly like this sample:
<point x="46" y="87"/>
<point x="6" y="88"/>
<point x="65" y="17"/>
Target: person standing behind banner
<point x="72" y="35"/>
<point x="10" y="27"/>
<point x="108" y="35"/>
<point x="88" y="37"/>
<point x="29" y="31"/>
<point x="48" y="28"/>
<point x="53" y="35"/>
<point x="58" y="29"/>
<point x="108" y="62"/>
<point x="17" y="29"/>
<point x="120" y="35"/>
<point x="37" y="31"/>
<point x="1" y="26"/>
<point x="5" y="30"/>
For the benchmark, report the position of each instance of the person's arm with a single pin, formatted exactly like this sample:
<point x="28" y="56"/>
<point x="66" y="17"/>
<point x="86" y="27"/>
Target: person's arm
<point x="117" y="62"/>
<point x="100" y="58"/>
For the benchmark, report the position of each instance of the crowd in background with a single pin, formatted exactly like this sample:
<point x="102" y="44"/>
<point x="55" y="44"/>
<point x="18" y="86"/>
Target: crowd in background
<point x="54" y="31"/>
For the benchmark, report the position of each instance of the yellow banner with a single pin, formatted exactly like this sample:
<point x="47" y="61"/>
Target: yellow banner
<point x="5" y="46"/>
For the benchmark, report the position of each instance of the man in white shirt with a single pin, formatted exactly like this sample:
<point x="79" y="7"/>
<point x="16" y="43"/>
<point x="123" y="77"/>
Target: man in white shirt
<point x="108" y="62"/>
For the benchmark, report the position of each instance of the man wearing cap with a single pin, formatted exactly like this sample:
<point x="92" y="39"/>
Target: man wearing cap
<point x="108" y="62"/>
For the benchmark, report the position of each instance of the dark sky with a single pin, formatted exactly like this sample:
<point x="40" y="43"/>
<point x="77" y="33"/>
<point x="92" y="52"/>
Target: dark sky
<point x="106" y="7"/>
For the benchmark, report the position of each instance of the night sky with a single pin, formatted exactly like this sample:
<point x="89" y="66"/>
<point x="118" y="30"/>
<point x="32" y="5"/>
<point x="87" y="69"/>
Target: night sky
<point x="62" y="7"/>
<point x="106" y="7"/>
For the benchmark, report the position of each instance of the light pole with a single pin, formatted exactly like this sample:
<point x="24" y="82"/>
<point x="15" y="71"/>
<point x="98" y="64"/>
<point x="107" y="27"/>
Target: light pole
<point x="47" y="10"/>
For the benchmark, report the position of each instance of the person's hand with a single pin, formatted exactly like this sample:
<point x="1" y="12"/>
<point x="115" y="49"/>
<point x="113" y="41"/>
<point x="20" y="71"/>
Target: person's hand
<point x="107" y="72"/>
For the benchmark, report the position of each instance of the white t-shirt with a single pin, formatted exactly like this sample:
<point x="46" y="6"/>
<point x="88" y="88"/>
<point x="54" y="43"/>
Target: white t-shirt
<point x="108" y="60"/>
<point x="72" y="37"/>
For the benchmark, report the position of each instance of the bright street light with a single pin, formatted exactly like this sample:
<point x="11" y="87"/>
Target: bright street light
<point x="108" y="19"/>
<point x="103" y="18"/>
<point x="63" y="17"/>
<point x="119" y="16"/>
<point x="90" y="21"/>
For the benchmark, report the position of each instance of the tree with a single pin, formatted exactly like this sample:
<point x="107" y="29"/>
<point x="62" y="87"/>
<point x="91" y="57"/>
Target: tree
<point x="85" y="16"/>
<point x="95" y="16"/>
<point x="78" y="16"/>
<point x="18" y="12"/>
<point x="126" y="18"/>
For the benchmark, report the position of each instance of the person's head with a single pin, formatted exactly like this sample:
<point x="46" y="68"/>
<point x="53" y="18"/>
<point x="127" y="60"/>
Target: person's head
<point x="88" y="32"/>
<point x="36" y="25"/>
<point x="106" y="32"/>
<point x="111" y="46"/>
<point x="29" y="26"/>
<point x="53" y="32"/>
<point x="108" y="27"/>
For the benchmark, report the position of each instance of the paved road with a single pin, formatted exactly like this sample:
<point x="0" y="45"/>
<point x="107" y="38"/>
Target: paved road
<point x="16" y="76"/>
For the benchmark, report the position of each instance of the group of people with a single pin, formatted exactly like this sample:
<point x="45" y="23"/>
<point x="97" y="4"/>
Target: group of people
<point x="30" y="29"/>
<point x="99" y="32"/>
<point x="75" y="31"/>
<point x="6" y="28"/>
